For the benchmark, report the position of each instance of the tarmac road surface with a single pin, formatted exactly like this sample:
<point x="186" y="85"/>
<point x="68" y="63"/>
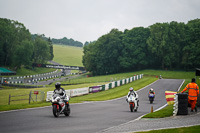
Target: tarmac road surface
<point x="156" y="124"/>
<point x="89" y="117"/>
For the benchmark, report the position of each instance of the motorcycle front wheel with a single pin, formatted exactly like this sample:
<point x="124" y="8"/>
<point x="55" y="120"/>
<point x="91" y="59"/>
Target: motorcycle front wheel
<point x="55" y="111"/>
<point x="151" y="100"/>
<point x="131" y="107"/>
<point x="136" y="109"/>
<point x="67" y="113"/>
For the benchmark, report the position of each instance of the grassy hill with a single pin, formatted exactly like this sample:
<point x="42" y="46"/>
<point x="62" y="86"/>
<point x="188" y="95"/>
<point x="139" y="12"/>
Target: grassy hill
<point x="68" y="55"/>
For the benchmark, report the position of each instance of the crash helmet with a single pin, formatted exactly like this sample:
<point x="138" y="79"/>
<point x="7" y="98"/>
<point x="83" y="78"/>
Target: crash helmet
<point x="57" y="85"/>
<point x="131" y="89"/>
<point x="151" y="90"/>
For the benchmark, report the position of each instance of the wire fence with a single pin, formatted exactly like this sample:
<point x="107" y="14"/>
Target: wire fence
<point x="33" y="96"/>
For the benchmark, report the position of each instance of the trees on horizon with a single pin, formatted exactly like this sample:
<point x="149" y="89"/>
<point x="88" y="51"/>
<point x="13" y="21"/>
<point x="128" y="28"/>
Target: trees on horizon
<point x="17" y="48"/>
<point x="168" y="46"/>
<point x="174" y="46"/>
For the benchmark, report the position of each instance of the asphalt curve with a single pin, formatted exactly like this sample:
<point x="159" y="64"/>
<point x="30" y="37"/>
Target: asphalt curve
<point x="88" y="117"/>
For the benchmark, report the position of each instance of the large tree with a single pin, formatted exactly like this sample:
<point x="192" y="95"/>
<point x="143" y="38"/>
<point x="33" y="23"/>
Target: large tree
<point x="24" y="54"/>
<point x="135" y="53"/>
<point x="51" y="49"/>
<point x="191" y="50"/>
<point x="41" y="50"/>
<point x="158" y="43"/>
<point x="12" y="34"/>
<point x="101" y="57"/>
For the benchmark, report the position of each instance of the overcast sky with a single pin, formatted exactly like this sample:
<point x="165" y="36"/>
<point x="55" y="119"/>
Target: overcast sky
<point x="87" y="20"/>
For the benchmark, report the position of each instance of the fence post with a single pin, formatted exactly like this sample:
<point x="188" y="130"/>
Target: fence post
<point x="29" y="97"/>
<point x="9" y="100"/>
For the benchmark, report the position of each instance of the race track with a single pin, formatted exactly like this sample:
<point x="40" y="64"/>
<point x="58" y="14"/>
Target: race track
<point x="88" y="117"/>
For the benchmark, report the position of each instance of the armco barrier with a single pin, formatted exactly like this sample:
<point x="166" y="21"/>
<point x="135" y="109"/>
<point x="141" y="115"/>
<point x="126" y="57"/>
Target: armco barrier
<point x="123" y="81"/>
<point x="106" y="86"/>
<point x="110" y="86"/>
<point x="22" y="86"/>
<point x="118" y="83"/>
<point x="29" y="78"/>
<point x="113" y="84"/>
<point x="127" y="80"/>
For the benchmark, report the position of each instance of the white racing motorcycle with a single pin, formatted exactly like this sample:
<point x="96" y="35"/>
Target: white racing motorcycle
<point x="133" y="103"/>
<point x="60" y="106"/>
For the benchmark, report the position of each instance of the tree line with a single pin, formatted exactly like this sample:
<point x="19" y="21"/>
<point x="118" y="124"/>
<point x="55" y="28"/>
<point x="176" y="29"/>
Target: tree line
<point x="66" y="41"/>
<point x="62" y="41"/>
<point x="18" y="48"/>
<point x="168" y="46"/>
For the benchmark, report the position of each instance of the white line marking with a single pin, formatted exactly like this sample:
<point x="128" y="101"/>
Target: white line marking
<point x="23" y="109"/>
<point x="181" y="85"/>
<point x="160" y="108"/>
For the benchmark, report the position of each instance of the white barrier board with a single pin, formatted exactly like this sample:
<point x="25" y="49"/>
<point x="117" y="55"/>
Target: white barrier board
<point x="79" y="91"/>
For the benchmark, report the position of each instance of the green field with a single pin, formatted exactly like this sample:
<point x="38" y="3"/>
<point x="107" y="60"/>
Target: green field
<point x="68" y="55"/>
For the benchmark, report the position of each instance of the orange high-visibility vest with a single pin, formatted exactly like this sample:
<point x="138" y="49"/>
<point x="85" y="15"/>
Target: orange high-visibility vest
<point x="193" y="91"/>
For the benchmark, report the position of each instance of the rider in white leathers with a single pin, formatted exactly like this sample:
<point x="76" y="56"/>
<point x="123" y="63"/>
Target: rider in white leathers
<point x="59" y="91"/>
<point x="134" y="93"/>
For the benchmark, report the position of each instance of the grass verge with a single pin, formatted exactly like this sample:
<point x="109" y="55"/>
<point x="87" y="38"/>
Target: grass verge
<point x="115" y="92"/>
<point x="165" y="112"/>
<point x="192" y="129"/>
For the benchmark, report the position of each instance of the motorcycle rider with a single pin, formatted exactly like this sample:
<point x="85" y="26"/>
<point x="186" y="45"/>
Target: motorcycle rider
<point x="132" y="92"/>
<point x="60" y="91"/>
<point x="151" y="91"/>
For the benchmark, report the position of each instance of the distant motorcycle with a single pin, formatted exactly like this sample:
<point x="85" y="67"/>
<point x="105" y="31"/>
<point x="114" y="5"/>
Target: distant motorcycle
<point x="151" y="97"/>
<point x="60" y="106"/>
<point x="133" y="103"/>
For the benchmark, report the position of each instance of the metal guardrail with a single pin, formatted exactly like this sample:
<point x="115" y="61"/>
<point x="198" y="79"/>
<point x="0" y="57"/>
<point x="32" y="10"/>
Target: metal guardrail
<point x="22" y="86"/>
